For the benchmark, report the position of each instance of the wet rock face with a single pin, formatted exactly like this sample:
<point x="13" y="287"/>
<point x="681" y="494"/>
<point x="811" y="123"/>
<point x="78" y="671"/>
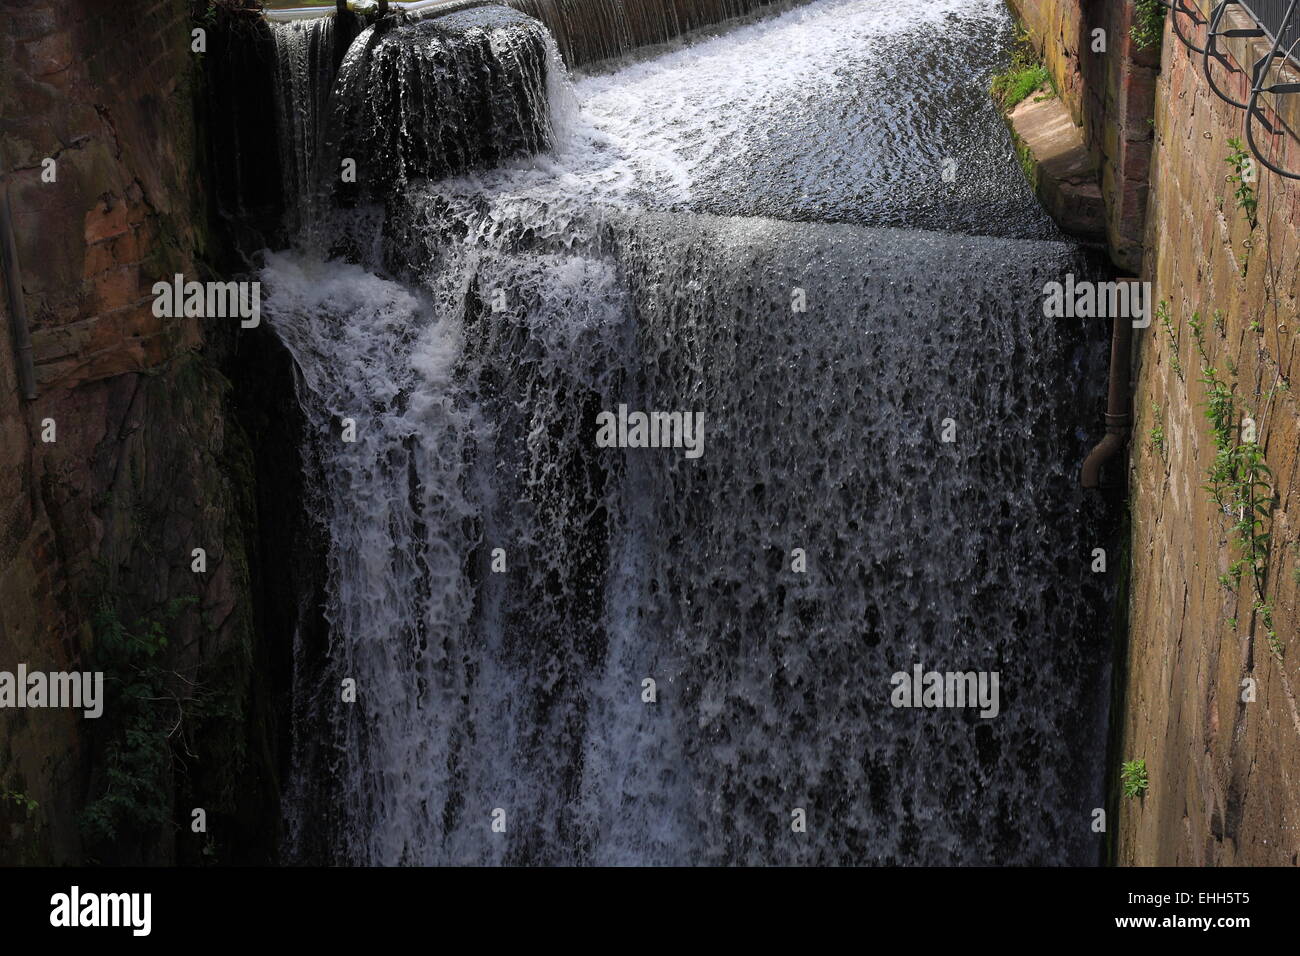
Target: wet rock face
<point x="97" y="156"/>
<point x="437" y="97"/>
<point x="146" y="462"/>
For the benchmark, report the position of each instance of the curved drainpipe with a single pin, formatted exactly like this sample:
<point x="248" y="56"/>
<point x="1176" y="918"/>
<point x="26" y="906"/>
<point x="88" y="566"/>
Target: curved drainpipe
<point x="17" y="307"/>
<point x="1118" y="418"/>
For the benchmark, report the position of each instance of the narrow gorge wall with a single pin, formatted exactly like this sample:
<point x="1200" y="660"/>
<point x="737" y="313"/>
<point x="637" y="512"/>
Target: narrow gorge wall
<point x="97" y="526"/>
<point x="1210" y="694"/>
<point x="1225" y="772"/>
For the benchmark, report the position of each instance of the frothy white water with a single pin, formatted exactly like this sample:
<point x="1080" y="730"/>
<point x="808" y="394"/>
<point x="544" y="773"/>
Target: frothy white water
<point x="679" y="119"/>
<point x="391" y="504"/>
<point x="843" y="110"/>
<point x="534" y="296"/>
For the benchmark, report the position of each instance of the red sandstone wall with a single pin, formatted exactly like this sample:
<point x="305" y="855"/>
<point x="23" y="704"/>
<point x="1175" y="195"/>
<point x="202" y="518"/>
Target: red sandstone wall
<point x="1224" y="772"/>
<point x="139" y="474"/>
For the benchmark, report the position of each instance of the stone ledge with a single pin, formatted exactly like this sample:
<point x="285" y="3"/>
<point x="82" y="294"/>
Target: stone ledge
<point x="1058" y="164"/>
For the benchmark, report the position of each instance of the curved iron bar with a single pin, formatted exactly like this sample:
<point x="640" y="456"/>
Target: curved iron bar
<point x="1211" y="50"/>
<point x="1176" y="7"/>
<point x="1277" y="89"/>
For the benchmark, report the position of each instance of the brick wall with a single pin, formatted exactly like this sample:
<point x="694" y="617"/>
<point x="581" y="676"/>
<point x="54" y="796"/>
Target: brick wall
<point x="1110" y="95"/>
<point x="1223" y="772"/>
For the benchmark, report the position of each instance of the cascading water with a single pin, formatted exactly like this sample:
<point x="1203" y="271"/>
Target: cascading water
<point x="700" y="236"/>
<point x="304" y="77"/>
<point x="590" y="32"/>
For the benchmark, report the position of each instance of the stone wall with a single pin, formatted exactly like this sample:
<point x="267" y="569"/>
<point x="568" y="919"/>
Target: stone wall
<point x="1223" y="770"/>
<point x="147" y="464"/>
<point x="1110" y="95"/>
<point x="1225" y="773"/>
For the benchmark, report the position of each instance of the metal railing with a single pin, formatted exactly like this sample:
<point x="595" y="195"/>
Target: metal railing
<point x="364" y="7"/>
<point x="1192" y="12"/>
<point x="1277" y="24"/>
<point x="1284" y="32"/>
<point x="1271" y="15"/>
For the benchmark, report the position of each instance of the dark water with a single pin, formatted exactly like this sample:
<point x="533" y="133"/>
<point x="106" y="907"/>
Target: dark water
<point x="703" y="233"/>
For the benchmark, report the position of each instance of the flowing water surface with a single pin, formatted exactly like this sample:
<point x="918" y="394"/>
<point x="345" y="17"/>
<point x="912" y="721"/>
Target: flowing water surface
<point x="809" y="228"/>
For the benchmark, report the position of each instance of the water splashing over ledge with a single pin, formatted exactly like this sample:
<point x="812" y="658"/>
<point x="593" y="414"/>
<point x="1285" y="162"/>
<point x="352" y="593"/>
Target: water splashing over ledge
<point x="484" y="323"/>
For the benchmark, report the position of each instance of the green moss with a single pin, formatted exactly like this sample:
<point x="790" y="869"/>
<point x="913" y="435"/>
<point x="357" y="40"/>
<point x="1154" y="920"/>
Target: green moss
<point x="1027" y="162"/>
<point x="1013" y="87"/>
<point x="1025" y="75"/>
<point x="1148" y="28"/>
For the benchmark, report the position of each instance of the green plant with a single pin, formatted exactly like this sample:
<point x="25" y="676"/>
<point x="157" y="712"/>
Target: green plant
<point x="1239" y="482"/>
<point x="207" y="11"/>
<point x="1025" y="75"/>
<point x="1244" y="193"/>
<point x="1253" y="499"/>
<point x="1232" y="579"/>
<point x="28" y="805"/>
<point x="1166" y="322"/>
<point x="1238" y="475"/>
<point x="1013" y="87"/>
<point x="1133" y="775"/>
<point x="1158" y="430"/>
<point x="1265" y="613"/>
<point x="1219" y="407"/>
<point x="147" y="714"/>
<point x="1220" y="322"/>
<point x="1148" y="27"/>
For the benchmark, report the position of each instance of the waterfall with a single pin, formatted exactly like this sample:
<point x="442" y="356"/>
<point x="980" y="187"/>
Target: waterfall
<point x="407" y="100"/>
<point x="304" y="77"/>
<point x="589" y="31"/>
<point x="442" y="96"/>
<point x="722" y="229"/>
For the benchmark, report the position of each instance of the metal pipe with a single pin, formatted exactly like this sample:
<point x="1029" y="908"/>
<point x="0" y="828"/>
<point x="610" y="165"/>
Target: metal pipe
<point x="1118" y="413"/>
<point x="17" y="307"/>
